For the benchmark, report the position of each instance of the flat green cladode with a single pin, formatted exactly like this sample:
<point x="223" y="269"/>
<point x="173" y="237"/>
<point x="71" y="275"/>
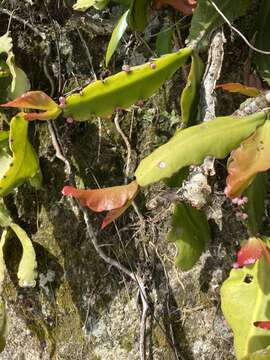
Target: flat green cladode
<point x="245" y="298"/>
<point x="103" y="97"/>
<point x="190" y="146"/>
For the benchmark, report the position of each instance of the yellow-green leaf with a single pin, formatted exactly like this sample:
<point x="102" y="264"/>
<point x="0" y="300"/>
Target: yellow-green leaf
<point x="83" y="5"/>
<point x="20" y="82"/>
<point x="102" y="98"/>
<point x="117" y="34"/>
<point x="27" y="267"/>
<point x="24" y="164"/>
<point x="245" y="298"/>
<point x="191" y="145"/>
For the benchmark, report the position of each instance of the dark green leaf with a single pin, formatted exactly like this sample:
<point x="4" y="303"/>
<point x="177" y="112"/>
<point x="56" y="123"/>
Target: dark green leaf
<point x="255" y="207"/>
<point x="164" y="41"/>
<point x="191" y="233"/>
<point x="262" y="40"/>
<point x="177" y="179"/>
<point x="205" y="17"/>
<point x="4" y="69"/>
<point x="137" y="18"/>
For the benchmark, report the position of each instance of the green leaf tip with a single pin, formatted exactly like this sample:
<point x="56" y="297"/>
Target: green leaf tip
<point x="117" y="34"/>
<point x="190" y="95"/>
<point x="24" y="163"/>
<point x="255" y="206"/>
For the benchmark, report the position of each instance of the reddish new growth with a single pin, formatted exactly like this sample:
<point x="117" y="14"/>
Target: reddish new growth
<point x="114" y="199"/>
<point x="37" y="100"/>
<point x="184" y="6"/>
<point x="239" y="88"/>
<point x="262" y="324"/>
<point x="251" y="251"/>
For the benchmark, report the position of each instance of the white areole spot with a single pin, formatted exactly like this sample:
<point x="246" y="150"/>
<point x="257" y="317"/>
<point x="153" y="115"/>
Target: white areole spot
<point x="162" y="165"/>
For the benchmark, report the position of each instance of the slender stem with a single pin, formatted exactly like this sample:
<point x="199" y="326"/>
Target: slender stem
<point x="98" y="248"/>
<point x="125" y="139"/>
<point x="93" y="238"/>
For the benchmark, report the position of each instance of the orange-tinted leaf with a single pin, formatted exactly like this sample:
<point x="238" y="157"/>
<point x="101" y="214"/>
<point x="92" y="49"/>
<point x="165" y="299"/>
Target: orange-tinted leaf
<point x="115" y="214"/>
<point x="239" y="88"/>
<point x="114" y="199"/>
<point x="185" y="6"/>
<point x="262" y="324"/>
<point x="252" y="157"/>
<point x="36" y="100"/>
<point x="251" y="251"/>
